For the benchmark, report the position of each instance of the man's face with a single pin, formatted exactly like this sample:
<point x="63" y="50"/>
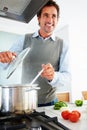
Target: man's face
<point x="48" y="20"/>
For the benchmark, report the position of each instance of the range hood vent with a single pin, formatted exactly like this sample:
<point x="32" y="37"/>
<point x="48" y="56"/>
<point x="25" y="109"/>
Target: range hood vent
<point x="20" y="10"/>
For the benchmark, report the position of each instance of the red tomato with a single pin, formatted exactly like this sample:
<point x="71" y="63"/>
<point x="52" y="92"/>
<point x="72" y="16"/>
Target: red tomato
<point x="75" y="111"/>
<point x="65" y="114"/>
<point x="74" y="116"/>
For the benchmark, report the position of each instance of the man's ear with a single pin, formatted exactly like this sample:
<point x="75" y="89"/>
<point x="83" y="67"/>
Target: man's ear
<point x="38" y="18"/>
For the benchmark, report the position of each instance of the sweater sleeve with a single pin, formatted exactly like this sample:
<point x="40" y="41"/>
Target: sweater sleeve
<point x="63" y="76"/>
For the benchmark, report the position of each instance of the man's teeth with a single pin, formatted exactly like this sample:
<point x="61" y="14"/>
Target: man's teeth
<point x="49" y="24"/>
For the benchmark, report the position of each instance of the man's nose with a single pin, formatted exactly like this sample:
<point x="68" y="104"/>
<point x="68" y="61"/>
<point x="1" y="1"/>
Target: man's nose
<point x="50" y="19"/>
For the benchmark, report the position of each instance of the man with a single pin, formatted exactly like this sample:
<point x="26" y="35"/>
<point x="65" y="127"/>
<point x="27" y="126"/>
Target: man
<point x="48" y="52"/>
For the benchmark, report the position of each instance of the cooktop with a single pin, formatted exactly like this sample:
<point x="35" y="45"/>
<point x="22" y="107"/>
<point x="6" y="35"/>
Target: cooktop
<point x="30" y="121"/>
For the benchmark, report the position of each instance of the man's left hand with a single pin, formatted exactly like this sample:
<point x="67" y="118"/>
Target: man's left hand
<point x="48" y="71"/>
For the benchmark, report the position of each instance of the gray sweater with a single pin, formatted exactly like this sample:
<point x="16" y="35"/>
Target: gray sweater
<point x="42" y="52"/>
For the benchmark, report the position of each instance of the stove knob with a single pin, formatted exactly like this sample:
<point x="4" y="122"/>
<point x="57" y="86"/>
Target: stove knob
<point x="36" y="128"/>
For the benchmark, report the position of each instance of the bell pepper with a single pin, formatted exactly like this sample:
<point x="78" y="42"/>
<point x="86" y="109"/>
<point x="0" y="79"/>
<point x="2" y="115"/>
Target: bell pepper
<point x="60" y="104"/>
<point x="79" y="102"/>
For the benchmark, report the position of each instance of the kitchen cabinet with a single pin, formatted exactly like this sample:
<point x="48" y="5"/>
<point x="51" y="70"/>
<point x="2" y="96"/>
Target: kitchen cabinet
<point x="84" y="94"/>
<point x="80" y="125"/>
<point x="63" y="96"/>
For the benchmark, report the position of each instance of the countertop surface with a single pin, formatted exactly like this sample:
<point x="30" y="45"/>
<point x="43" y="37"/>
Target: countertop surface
<point x="80" y="125"/>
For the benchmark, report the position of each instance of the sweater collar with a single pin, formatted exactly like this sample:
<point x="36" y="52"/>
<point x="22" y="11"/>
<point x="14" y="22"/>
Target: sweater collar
<point x="36" y="34"/>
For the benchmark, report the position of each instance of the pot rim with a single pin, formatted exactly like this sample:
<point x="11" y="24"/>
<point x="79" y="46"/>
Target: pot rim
<point x="18" y="85"/>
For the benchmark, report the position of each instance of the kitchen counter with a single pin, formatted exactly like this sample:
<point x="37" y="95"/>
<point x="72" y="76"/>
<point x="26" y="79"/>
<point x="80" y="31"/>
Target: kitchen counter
<point x="80" y="125"/>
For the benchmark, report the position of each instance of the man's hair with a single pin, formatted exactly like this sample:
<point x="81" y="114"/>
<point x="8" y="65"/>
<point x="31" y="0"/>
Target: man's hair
<point x="48" y="4"/>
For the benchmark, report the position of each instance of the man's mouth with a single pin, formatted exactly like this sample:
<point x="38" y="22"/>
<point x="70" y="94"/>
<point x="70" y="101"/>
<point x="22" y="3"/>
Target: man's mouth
<point x="49" y="25"/>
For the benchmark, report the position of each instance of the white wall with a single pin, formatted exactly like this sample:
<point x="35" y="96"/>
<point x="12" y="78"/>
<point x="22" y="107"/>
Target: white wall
<point x="73" y="12"/>
<point x="6" y="40"/>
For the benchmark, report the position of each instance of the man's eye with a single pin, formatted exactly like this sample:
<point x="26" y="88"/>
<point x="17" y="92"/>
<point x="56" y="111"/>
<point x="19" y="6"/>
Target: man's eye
<point x="54" y="16"/>
<point x="46" y="15"/>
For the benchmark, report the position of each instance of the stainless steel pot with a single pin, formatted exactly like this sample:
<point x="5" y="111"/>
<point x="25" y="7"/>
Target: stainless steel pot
<point x="18" y="98"/>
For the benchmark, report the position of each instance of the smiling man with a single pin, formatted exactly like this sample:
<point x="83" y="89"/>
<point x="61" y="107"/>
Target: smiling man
<point x="47" y="18"/>
<point x="48" y="52"/>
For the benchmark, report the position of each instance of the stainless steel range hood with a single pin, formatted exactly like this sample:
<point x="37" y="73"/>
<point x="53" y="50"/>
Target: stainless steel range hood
<point x="20" y="10"/>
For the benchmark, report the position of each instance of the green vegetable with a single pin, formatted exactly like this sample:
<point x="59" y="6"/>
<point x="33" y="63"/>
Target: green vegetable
<point x="79" y="102"/>
<point x="60" y="104"/>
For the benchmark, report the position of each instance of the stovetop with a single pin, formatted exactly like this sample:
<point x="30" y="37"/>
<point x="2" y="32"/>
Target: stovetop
<point x="32" y="121"/>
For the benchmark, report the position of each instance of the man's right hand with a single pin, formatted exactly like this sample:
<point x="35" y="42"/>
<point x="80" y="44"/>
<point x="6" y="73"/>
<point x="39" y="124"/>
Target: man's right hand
<point x="7" y="56"/>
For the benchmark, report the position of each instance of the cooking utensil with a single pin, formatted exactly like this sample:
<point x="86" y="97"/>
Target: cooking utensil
<point x="32" y="82"/>
<point x="15" y="98"/>
<point x="16" y="62"/>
